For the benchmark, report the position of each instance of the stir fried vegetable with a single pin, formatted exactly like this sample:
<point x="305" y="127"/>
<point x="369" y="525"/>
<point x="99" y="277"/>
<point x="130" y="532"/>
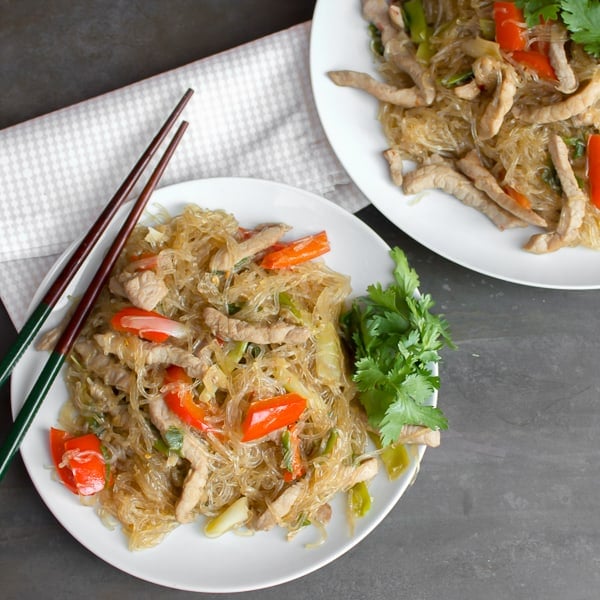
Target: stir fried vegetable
<point x="78" y="461"/>
<point x="593" y="168"/>
<point x="179" y="398"/>
<point x="510" y="26"/>
<point x="269" y="414"/>
<point x="147" y="324"/>
<point x="297" y="252"/>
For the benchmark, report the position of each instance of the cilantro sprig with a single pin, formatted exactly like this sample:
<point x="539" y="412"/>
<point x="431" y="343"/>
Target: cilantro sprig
<point x="396" y="339"/>
<point x="581" y="18"/>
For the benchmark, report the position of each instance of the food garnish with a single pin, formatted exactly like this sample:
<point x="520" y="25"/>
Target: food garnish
<point x="396" y="339"/>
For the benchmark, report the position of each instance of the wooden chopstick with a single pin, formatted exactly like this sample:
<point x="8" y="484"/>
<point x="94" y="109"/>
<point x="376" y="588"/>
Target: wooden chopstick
<point x="52" y="296"/>
<point x="63" y="346"/>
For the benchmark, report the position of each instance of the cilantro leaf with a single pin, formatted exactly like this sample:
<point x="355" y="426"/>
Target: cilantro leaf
<point x="396" y="339"/>
<point x="536" y="10"/>
<point x="582" y="18"/>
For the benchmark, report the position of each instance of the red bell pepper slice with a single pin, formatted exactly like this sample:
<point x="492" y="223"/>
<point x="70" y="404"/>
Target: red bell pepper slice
<point x="146" y="261"/>
<point x="147" y="324"/>
<point x="270" y="414"/>
<point x="511" y="31"/>
<point x="79" y="461"/>
<point x="179" y="398"/>
<point x="518" y="197"/>
<point x="538" y="62"/>
<point x="297" y="252"/>
<point x="593" y="168"/>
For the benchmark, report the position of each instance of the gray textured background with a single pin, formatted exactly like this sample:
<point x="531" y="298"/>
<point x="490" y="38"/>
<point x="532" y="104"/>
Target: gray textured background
<point x="506" y="508"/>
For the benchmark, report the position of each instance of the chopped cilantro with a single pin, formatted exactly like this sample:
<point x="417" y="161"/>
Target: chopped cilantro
<point x="582" y="19"/>
<point x="396" y="339"/>
<point x="534" y="10"/>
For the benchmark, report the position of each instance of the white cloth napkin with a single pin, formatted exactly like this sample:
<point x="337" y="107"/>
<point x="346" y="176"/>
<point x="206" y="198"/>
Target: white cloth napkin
<point x="252" y="115"/>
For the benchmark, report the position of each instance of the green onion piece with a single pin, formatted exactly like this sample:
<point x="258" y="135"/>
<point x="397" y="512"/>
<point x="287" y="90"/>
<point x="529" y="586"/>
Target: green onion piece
<point x="286" y="442"/>
<point x="487" y="28"/>
<point x="232" y="517"/>
<point x="233" y="356"/>
<point x="457" y="79"/>
<point x="578" y="145"/>
<point x="376" y="43"/>
<point x="160" y="446"/>
<point x="550" y="177"/>
<point x="394" y="457"/>
<point x="286" y="300"/>
<point x="359" y="498"/>
<point x="330" y="443"/>
<point x="415" y="20"/>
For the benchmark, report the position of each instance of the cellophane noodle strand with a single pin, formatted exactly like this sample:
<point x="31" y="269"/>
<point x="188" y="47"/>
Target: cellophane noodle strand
<point x="145" y="483"/>
<point x="448" y="127"/>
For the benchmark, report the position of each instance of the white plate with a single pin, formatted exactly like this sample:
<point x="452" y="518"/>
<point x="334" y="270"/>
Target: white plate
<point x="186" y="559"/>
<point x="340" y="40"/>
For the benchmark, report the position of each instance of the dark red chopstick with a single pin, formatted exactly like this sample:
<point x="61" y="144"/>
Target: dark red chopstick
<point x="57" y="356"/>
<point x="44" y="308"/>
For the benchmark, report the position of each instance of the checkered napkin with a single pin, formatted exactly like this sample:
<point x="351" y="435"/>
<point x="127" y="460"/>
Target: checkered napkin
<point x="252" y="115"/>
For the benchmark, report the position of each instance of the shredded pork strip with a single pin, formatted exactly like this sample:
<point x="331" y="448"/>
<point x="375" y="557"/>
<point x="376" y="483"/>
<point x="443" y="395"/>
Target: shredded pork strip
<point x="573" y="210"/>
<point x="444" y="177"/>
<point x="561" y="111"/>
<point x="483" y="180"/>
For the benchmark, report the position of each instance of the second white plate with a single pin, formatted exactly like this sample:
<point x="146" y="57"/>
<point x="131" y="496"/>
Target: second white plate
<point x="340" y="40"/>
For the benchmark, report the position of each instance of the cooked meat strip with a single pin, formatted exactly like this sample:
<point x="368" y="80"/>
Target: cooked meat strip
<point x="104" y="395"/>
<point x="376" y="12"/>
<point x="567" y="80"/>
<point x="227" y="328"/>
<point x="415" y="434"/>
<point x="573" y="209"/>
<point x="226" y="258"/>
<point x="574" y="105"/>
<point x="364" y="471"/>
<point x="473" y="168"/>
<point x="588" y="118"/>
<point x="135" y="353"/>
<point x="402" y="54"/>
<point x="468" y="91"/>
<point x="323" y="514"/>
<point x="487" y="69"/>
<point x="279" y="508"/>
<point x="394" y="158"/>
<point x="446" y="178"/>
<point x="397" y="19"/>
<point x="109" y="370"/>
<point x="144" y="289"/>
<point x="404" y="97"/>
<point x="487" y="72"/>
<point x="193" y="449"/>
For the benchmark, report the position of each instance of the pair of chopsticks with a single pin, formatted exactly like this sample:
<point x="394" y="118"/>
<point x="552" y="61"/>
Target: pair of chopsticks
<point x="67" y="339"/>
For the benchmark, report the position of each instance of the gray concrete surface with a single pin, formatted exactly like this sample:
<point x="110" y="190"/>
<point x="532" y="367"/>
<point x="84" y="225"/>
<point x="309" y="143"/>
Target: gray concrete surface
<point x="505" y="509"/>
